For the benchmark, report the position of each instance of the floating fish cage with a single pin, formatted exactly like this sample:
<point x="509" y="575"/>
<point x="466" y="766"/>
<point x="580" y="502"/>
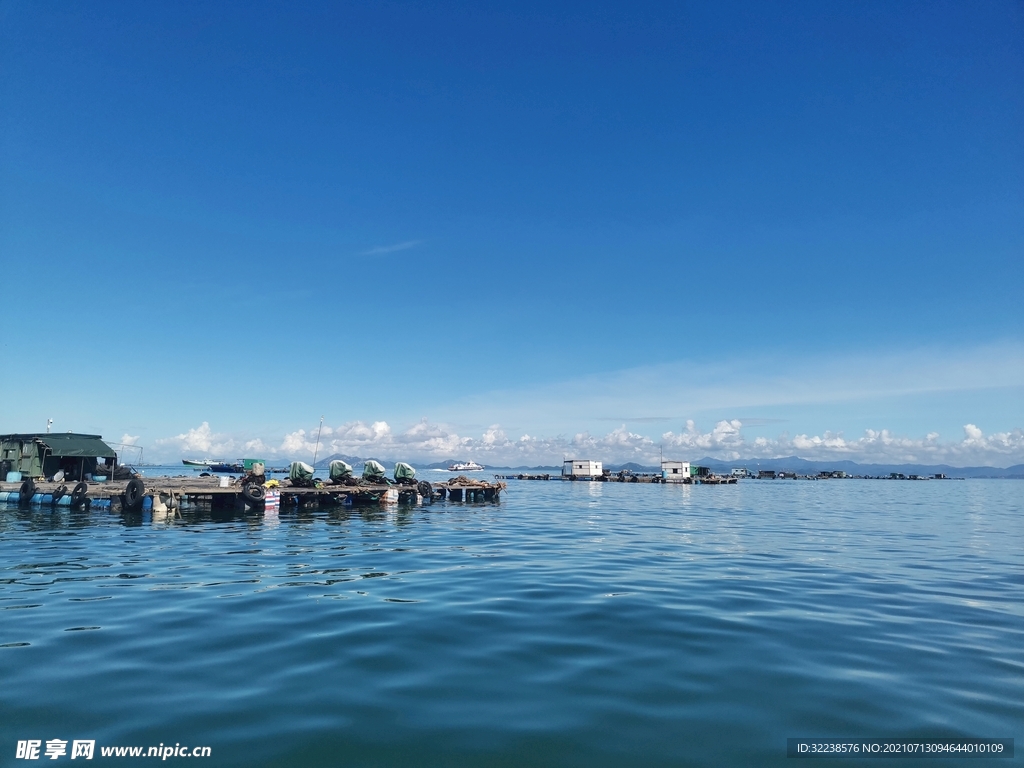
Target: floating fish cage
<point x="161" y="494"/>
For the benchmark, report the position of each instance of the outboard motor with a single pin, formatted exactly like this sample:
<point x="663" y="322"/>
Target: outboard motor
<point x="404" y="474"/>
<point x="340" y="472"/>
<point x="301" y="474"/>
<point x="373" y="472"/>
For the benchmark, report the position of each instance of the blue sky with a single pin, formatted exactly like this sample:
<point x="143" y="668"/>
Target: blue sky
<point x="587" y="224"/>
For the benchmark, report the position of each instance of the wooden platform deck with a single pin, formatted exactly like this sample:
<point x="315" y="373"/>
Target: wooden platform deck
<point x="171" y="491"/>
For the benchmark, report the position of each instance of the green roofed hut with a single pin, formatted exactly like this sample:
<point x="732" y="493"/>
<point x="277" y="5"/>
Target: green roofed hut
<point x="43" y="455"/>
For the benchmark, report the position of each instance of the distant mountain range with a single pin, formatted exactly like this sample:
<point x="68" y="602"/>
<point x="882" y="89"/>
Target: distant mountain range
<point x="788" y="464"/>
<point x="806" y="467"/>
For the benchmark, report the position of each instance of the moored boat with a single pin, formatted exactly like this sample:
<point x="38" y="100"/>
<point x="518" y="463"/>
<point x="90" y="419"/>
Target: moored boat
<point x="241" y="465"/>
<point x="225" y="467"/>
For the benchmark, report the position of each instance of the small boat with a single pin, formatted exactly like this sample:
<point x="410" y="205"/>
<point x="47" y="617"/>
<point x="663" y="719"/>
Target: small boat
<point x="225" y="467"/>
<point x="469" y="466"/>
<point x="236" y="467"/>
<point x="196" y="463"/>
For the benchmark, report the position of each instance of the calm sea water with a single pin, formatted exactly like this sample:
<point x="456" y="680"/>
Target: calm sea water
<point x="573" y="624"/>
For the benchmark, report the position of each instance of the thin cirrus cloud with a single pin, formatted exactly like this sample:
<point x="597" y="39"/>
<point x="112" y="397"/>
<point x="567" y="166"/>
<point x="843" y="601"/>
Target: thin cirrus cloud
<point x="748" y="383"/>
<point x="640" y="419"/>
<point x="380" y="250"/>
<point x="748" y="421"/>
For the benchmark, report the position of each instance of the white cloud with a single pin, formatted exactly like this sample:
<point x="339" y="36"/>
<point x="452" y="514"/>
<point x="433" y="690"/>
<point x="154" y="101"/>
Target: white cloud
<point x="724" y="440"/>
<point x="972" y="433"/>
<point x="882" y="446"/>
<point x="380" y="250"/>
<point x="199" y="442"/>
<point x="425" y="441"/>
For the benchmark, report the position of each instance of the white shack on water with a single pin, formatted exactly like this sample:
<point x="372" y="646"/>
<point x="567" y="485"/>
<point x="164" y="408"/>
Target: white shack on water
<point x="675" y="471"/>
<point x="582" y="468"/>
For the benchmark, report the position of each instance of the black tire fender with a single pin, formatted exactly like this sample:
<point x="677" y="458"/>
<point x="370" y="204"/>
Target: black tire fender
<point x="254" y="492"/>
<point x="79" y="493"/>
<point x="27" y="491"/>
<point x="134" y="492"/>
<point x="425" y="489"/>
<point x="59" y="492"/>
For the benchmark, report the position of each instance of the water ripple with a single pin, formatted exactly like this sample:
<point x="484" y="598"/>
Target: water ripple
<point x="572" y="624"/>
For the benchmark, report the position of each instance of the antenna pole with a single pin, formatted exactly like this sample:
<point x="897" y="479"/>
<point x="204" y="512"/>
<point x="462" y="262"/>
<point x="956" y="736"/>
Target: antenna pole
<point x="317" y="448"/>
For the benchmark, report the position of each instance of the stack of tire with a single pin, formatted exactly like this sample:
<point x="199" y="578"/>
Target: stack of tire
<point x="254" y="492"/>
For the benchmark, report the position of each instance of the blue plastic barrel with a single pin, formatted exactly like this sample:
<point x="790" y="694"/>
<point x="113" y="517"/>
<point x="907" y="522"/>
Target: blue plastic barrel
<point x="47" y="498"/>
<point x="14" y="477"/>
<point x="4" y="495"/>
<point x="147" y="502"/>
<point x="64" y="501"/>
<point x="37" y="499"/>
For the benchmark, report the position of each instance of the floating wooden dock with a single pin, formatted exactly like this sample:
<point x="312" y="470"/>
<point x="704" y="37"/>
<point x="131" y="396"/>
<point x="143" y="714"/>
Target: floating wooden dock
<point x="163" y="493"/>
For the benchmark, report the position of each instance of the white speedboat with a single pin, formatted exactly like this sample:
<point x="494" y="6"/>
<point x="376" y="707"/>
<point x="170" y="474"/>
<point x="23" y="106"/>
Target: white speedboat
<point x="196" y="463"/>
<point x="469" y="466"/>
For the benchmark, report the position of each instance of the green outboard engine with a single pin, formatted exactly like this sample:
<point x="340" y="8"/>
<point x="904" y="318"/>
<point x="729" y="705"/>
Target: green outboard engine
<point x="300" y="473"/>
<point x="373" y="471"/>
<point x="340" y="471"/>
<point x="404" y="473"/>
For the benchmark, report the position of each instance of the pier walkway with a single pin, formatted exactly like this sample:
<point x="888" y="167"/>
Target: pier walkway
<point x="219" y="492"/>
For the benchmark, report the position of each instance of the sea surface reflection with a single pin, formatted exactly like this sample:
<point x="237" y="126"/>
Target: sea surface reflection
<point x="571" y="624"/>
